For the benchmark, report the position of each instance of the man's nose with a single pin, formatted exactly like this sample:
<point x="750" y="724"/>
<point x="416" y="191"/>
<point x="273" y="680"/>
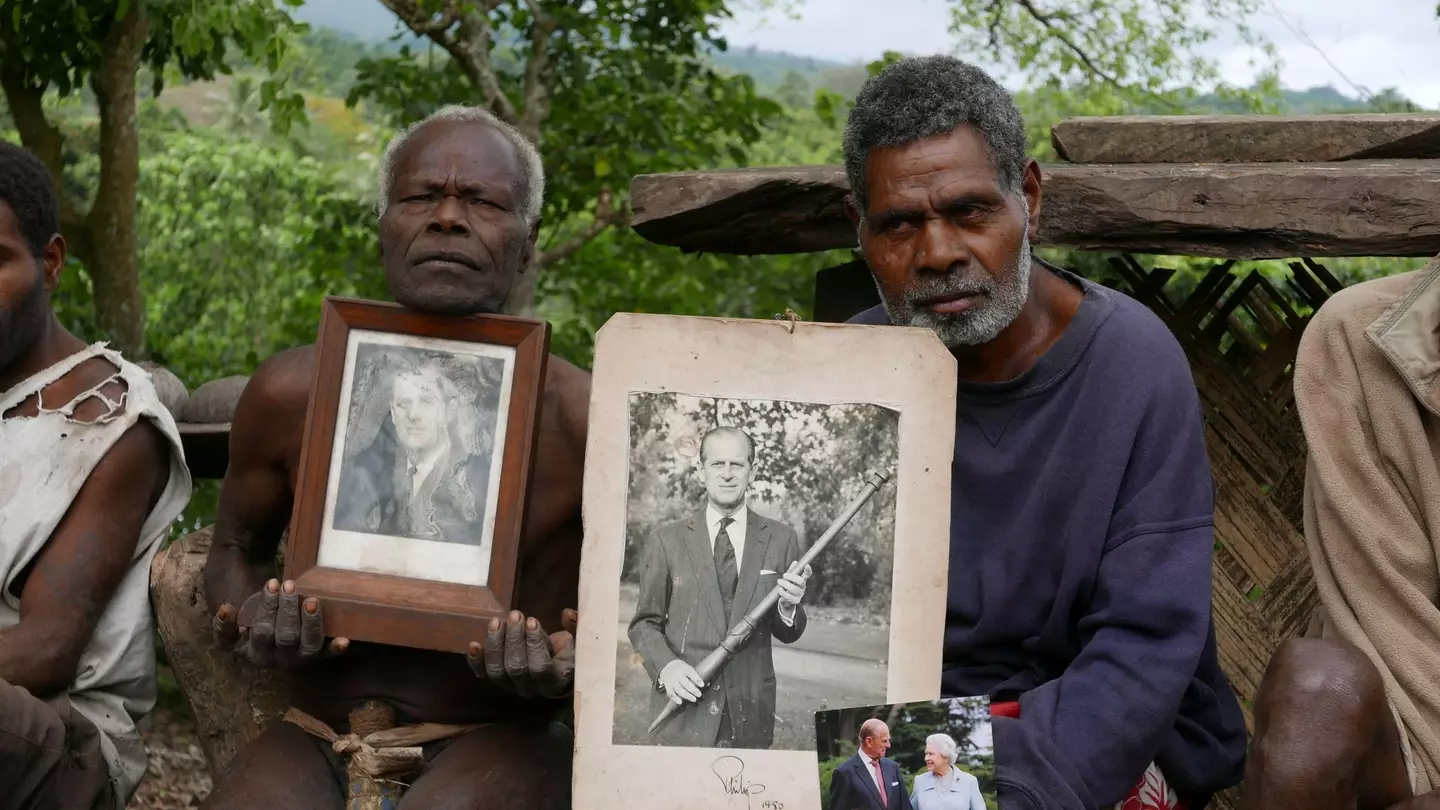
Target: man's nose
<point x="941" y="246"/>
<point x="449" y="216"/>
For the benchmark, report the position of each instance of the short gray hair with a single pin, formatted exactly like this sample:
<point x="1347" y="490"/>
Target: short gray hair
<point x="532" y="171"/>
<point x="920" y="97"/>
<point x="946" y="745"/>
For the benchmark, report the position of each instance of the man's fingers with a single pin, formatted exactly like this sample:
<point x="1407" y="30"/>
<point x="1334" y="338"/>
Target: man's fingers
<point x="312" y="629"/>
<point x="805" y="575"/>
<point x="335" y="647"/>
<point x="569" y="621"/>
<point x="515" y="656"/>
<point x="262" y="632"/>
<point x="549" y="673"/>
<point x="495" y="652"/>
<point x="224" y="627"/>
<point x="287" y="619"/>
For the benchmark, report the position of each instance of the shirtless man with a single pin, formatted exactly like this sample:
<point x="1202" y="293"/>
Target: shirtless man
<point x="459" y="214"/>
<point x="92" y="474"/>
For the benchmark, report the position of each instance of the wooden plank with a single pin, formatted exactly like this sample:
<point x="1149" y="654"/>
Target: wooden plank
<point x="1239" y="211"/>
<point x="1247" y="138"/>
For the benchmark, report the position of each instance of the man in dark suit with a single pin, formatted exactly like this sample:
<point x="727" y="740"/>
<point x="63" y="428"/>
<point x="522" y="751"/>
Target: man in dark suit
<point x="698" y="577"/>
<point x="869" y="781"/>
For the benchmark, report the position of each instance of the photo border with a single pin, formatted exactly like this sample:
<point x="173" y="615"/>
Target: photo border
<point x="401" y="611"/>
<point x="904" y="368"/>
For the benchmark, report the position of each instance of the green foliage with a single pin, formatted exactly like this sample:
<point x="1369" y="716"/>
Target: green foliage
<point x="1144" y="49"/>
<point x="59" y="45"/>
<point x="240" y="243"/>
<point x="629" y="92"/>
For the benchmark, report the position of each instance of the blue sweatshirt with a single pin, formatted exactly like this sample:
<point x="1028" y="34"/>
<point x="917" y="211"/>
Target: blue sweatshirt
<point x="1081" y="534"/>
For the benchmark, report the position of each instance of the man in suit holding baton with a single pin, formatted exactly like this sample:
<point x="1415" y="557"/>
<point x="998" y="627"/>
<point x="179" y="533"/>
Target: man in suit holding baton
<point x="698" y="577"/>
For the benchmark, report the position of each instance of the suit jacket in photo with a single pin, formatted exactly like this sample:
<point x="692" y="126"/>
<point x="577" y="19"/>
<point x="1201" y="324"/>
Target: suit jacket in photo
<point x="679" y="614"/>
<point x="852" y="786"/>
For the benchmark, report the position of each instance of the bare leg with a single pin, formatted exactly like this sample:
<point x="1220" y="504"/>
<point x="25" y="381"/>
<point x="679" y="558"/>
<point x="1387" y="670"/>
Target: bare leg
<point x="498" y="767"/>
<point x="1325" y="738"/>
<point x="282" y="769"/>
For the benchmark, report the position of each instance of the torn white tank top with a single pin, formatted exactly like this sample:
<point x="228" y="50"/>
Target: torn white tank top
<point x="44" y="460"/>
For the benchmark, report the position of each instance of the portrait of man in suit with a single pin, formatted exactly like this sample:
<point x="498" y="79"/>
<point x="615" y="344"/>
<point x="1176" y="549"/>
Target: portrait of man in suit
<point x="869" y="781"/>
<point x="698" y="576"/>
<point x="425" y="475"/>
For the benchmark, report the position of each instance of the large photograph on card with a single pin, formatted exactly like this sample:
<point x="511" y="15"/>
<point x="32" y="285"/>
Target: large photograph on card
<point x="725" y="497"/>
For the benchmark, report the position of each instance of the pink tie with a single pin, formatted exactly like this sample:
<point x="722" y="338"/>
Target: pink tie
<point x="880" y="783"/>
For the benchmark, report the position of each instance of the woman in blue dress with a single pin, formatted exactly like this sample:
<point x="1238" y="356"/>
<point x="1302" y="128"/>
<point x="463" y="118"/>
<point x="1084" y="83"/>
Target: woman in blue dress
<point x="943" y="786"/>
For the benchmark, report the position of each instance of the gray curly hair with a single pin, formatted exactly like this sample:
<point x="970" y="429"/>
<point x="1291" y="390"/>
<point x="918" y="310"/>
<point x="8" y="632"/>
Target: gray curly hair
<point x="532" y="171"/>
<point x="920" y="97"/>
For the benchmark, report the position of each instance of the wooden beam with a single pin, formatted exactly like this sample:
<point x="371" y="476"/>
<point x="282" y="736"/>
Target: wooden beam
<point x="799" y="209"/>
<point x="1240" y="211"/>
<point x="1247" y="138"/>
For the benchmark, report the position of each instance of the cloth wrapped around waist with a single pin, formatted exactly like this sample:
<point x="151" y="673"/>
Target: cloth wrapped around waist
<point x="383" y="753"/>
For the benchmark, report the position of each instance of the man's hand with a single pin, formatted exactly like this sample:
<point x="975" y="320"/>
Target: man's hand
<point x="526" y="661"/>
<point x="792" y="587"/>
<point x="681" y="682"/>
<point x="283" y="634"/>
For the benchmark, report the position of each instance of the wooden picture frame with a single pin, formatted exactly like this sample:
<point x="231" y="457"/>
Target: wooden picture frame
<point x="364" y="595"/>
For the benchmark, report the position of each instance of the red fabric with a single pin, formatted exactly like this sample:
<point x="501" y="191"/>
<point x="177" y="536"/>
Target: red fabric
<point x="1150" y="792"/>
<point x="880" y="782"/>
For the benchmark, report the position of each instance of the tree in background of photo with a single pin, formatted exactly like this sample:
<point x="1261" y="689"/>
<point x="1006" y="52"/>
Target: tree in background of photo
<point x="810" y="462"/>
<point x="837" y="736"/>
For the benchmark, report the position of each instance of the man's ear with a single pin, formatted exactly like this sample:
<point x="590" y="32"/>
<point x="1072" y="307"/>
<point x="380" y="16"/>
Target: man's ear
<point x="52" y="262"/>
<point x="852" y="209"/>
<point x="1030" y="187"/>
<point x="530" y="244"/>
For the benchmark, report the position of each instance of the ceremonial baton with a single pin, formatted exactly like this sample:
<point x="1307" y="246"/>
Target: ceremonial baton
<point x="740" y="633"/>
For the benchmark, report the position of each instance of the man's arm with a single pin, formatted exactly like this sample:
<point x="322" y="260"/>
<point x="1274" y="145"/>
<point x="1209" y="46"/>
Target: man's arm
<point x="255" y="496"/>
<point x="1098" y="726"/>
<point x="647" y="628"/>
<point x="76" y="574"/>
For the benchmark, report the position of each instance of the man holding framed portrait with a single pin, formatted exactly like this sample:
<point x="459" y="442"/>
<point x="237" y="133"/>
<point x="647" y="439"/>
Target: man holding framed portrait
<point x="412" y="469"/>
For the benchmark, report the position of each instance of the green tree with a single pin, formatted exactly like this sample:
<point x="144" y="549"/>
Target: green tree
<point x="104" y="45"/>
<point x="608" y="90"/>
<point x="1147" y="51"/>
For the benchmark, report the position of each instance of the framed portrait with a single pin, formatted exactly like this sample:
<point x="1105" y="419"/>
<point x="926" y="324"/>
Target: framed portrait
<point x="416" y="460"/>
<point x="766" y="537"/>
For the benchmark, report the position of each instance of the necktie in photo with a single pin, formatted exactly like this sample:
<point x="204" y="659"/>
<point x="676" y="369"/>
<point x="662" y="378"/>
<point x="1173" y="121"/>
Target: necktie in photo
<point x="725" y="565"/>
<point x="880" y="783"/>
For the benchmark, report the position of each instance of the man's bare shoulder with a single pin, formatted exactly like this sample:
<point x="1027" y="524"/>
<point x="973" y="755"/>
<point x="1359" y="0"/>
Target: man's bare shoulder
<point x="271" y="409"/>
<point x="567" y="393"/>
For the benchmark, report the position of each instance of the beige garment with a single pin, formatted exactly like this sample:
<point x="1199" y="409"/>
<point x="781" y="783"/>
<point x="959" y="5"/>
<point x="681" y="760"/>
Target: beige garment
<point x="1367" y="386"/>
<point x="44" y="461"/>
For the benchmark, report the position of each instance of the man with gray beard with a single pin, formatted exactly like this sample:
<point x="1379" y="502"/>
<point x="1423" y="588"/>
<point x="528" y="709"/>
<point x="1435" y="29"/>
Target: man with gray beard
<point x="1082" y="514"/>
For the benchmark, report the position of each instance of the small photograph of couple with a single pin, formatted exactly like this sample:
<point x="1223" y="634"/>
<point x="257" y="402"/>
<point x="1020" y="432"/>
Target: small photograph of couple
<point x="930" y="755"/>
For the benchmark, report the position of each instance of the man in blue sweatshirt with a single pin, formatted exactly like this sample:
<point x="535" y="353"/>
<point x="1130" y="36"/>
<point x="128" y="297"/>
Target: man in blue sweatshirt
<point x="1082" y="514"/>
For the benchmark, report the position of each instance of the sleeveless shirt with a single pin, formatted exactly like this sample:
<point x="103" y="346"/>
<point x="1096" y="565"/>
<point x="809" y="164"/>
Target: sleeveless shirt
<point x="115" y="685"/>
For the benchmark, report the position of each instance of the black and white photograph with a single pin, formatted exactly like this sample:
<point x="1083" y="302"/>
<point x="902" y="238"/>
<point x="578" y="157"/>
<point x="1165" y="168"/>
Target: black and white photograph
<point x="928" y="755"/>
<point x="414" y="469"/>
<point x="766" y="511"/>
<point x="726" y="496"/>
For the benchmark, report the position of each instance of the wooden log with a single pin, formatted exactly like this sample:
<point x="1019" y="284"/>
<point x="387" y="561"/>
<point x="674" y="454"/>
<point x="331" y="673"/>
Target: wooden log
<point x="1240" y="211"/>
<point x="214" y="402"/>
<point x="1246" y="138"/>
<point x="232" y="702"/>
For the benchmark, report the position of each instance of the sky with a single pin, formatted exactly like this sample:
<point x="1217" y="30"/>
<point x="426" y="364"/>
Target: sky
<point x="1344" y="43"/>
